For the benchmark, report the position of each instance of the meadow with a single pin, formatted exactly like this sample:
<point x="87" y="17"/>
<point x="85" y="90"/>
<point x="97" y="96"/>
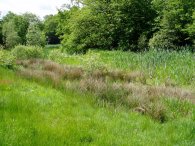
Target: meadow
<point x="99" y="98"/>
<point x="122" y="73"/>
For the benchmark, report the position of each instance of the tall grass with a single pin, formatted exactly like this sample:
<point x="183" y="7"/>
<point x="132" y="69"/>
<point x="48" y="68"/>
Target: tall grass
<point x="116" y="87"/>
<point x="160" y="66"/>
<point x="39" y="115"/>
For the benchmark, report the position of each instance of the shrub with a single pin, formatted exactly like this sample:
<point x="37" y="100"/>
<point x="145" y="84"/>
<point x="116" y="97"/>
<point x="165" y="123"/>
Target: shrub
<point x="1" y="47"/>
<point x="142" y="42"/>
<point x="26" y="52"/>
<point x="52" y="55"/>
<point x="6" y="59"/>
<point x="162" y="40"/>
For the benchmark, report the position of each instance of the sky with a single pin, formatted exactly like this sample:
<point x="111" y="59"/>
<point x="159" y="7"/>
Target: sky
<point x="38" y="7"/>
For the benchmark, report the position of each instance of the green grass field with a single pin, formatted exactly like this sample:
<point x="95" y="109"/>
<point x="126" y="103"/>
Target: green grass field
<point x="36" y="112"/>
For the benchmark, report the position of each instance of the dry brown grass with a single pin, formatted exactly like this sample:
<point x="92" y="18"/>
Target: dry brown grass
<point x="116" y="75"/>
<point x="31" y="63"/>
<point x="158" y="91"/>
<point x="135" y="77"/>
<point x="170" y="83"/>
<point x="53" y="67"/>
<point x="99" y="74"/>
<point x="92" y="85"/>
<point x="96" y="81"/>
<point x="65" y="72"/>
<point x="39" y="75"/>
<point x="6" y="82"/>
<point x="128" y="94"/>
<point x="73" y="73"/>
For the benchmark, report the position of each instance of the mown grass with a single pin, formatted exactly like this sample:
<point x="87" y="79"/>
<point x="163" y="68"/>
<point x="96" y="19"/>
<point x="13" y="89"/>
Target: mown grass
<point x="34" y="114"/>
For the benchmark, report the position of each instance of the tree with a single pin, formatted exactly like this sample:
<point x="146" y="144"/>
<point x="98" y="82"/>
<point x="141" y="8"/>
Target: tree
<point x="191" y="29"/>
<point x="108" y="24"/>
<point x="34" y="36"/>
<point x="11" y="37"/>
<point x="21" y="23"/>
<point x="174" y="16"/>
<point x="33" y="19"/>
<point x="50" y="29"/>
<point x="1" y="35"/>
<point x="21" y="26"/>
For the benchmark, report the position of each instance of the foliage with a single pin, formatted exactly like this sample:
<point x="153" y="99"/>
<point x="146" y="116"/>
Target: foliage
<point x="191" y="28"/>
<point x="110" y="25"/>
<point x="1" y="35"/>
<point x="26" y="52"/>
<point x="19" y="24"/>
<point x="128" y="25"/>
<point x="11" y="37"/>
<point x="33" y="19"/>
<point x="50" y="29"/>
<point x="174" y="23"/>
<point x="6" y="59"/>
<point x="34" y="36"/>
<point x="57" y="52"/>
<point x="163" y="40"/>
<point x="63" y="58"/>
<point x="107" y="25"/>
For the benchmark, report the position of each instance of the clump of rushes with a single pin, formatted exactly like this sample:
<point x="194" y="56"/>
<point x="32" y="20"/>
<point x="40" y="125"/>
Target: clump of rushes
<point x="43" y="76"/>
<point x="116" y="75"/>
<point x="131" y="97"/>
<point x="99" y="74"/>
<point x="65" y="72"/>
<point x="135" y="76"/>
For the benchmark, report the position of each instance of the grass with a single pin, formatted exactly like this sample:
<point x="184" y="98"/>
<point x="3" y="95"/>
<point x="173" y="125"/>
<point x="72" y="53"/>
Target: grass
<point x="99" y="98"/>
<point x="107" y="85"/>
<point x="161" y="67"/>
<point x="34" y="114"/>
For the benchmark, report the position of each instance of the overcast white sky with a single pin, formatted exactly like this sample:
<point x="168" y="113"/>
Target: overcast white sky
<point x="38" y="7"/>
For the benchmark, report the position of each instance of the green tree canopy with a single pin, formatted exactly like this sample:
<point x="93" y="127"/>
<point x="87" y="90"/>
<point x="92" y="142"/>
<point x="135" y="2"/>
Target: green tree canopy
<point x="174" y="23"/>
<point x="34" y="36"/>
<point x="50" y="29"/>
<point x="107" y="24"/>
<point x="10" y="35"/>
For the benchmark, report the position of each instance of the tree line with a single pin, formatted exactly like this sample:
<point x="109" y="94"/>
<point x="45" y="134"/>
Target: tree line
<point x="133" y="25"/>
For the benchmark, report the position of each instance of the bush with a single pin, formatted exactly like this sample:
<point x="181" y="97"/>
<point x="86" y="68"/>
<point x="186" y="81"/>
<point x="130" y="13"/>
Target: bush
<point x="1" y="47"/>
<point x="6" y="59"/>
<point x="162" y="40"/>
<point x="27" y="52"/>
<point x="142" y="42"/>
<point x="57" y="52"/>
